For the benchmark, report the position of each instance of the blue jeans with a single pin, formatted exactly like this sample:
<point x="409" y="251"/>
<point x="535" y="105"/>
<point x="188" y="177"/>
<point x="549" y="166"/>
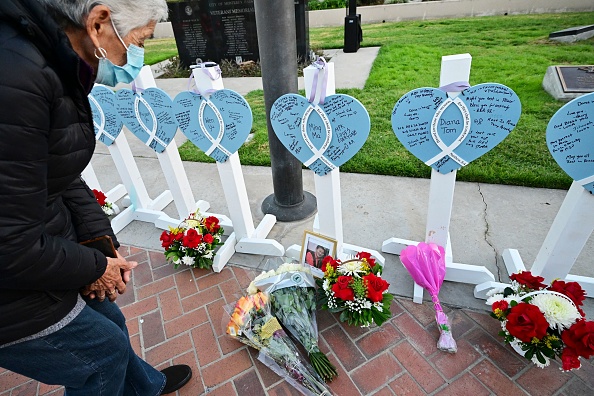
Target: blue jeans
<point x="91" y="356"/>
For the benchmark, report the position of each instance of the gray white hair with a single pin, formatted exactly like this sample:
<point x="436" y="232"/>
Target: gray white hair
<point x="126" y="14"/>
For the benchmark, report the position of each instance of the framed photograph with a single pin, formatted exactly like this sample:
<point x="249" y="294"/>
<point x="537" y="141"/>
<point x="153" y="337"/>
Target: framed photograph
<point x="315" y="247"/>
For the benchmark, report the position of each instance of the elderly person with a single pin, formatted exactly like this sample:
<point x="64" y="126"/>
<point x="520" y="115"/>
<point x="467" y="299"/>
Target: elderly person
<point x="51" y="53"/>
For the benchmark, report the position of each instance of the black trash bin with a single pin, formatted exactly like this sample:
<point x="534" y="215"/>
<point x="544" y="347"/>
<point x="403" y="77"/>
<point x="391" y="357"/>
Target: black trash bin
<point x="353" y="34"/>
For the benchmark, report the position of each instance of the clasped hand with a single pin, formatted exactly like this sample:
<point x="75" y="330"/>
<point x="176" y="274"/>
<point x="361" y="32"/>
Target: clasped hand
<point x="113" y="281"/>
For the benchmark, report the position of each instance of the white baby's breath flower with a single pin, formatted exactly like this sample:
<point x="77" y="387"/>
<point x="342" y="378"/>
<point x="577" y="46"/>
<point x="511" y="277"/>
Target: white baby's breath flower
<point x="187" y="260"/>
<point x="351" y="268"/>
<point x="107" y="210"/>
<point x="208" y="254"/>
<point x="559" y="312"/>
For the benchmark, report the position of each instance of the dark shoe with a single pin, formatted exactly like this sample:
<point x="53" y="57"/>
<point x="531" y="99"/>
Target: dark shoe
<point x="177" y="376"/>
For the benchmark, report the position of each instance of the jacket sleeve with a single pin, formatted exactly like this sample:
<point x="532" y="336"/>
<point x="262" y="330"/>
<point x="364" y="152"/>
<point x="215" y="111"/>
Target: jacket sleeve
<point x="30" y="259"/>
<point x="88" y="218"/>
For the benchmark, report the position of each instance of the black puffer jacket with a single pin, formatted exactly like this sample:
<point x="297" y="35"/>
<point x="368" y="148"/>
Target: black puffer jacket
<point x="46" y="140"/>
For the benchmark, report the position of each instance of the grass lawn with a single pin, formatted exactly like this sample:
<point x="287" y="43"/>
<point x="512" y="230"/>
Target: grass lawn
<point x="511" y="50"/>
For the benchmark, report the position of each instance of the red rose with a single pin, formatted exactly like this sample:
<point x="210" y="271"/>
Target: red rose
<point x="192" y="239"/>
<point x="166" y="239"/>
<point x="570" y="359"/>
<point x="580" y="338"/>
<point x="501" y="305"/>
<point x="375" y="287"/>
<point x="367" y="257"/>
<point x="328" y="260"/>
<point x="212" y="224"/>
<point x="208" y="238"/>
<point x="527" y="279"/>
<point x="342" y="290"/>
<point x="525" y="321"/>
<point x="573" y="290"/>
<point x="100" y="197"/>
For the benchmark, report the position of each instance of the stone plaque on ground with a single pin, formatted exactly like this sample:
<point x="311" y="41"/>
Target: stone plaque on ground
<point x="214" y="30"/>
<point x="569" y="82"/>
<point x="573" y="34"/>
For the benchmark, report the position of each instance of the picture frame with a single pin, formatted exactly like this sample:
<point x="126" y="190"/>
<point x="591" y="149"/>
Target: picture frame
<point x="315" y="247"/>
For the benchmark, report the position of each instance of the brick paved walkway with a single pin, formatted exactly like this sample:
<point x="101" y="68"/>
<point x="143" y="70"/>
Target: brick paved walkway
<point x="176" y="317"/>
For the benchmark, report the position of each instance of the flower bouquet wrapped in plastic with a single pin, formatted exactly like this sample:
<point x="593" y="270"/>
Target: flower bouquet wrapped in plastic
<point x="253" y="324"/>
<point x="426" y="264"/>
<point x="291" y="288"/>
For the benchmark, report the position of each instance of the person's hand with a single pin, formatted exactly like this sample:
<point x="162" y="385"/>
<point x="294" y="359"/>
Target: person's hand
<point x="113" y="281"/>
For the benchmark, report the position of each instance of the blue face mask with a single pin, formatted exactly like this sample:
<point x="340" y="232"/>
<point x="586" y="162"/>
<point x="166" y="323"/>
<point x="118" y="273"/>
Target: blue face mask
<point x="110" y="74"/>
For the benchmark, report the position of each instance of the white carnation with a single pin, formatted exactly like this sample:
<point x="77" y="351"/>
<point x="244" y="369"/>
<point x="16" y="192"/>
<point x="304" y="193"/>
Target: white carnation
<point x="559" y="312"/>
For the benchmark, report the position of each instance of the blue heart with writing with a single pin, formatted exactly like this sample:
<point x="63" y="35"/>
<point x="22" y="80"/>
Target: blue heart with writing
<point x="446" y="133"/>
<point x="106" y="121"/>
<point x="148" y="115"/>
<point x="322" y="137"/>
<point x="218" y="126"/>
<point x="570" y="138"/>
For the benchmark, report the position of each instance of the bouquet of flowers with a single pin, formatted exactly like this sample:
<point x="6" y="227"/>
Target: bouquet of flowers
<point x="293" y="300"/>
<point x="542" y="322"/>
<point x="108" y="207"/>
<point x="253" y="324"/>
<point x="193" y="243"/>
<point x="356" y="290"/>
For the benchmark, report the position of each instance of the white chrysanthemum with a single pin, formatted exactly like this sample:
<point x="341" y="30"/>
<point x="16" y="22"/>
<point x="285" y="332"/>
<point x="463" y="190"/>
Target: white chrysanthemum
<point x="326" y="284"/>
<point x="494" y="298"/>
<point x="559" y="312"/>
<point x="187" y="260"/>
<point x="352" y="268"/>
<point x="539" y="364"/>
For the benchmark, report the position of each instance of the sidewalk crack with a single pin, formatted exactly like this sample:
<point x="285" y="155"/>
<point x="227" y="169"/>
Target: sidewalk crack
<point x="486" y="235"/>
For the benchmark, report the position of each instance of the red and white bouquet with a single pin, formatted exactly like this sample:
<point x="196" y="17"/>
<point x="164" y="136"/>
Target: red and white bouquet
<point x="542" y="322"/>
<point x="356" y="289"/>
<point x="194" y="242"/>
<point x="108" y="207"/>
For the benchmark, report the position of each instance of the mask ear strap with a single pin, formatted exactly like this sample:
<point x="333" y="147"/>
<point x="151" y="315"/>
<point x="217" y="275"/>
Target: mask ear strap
<point x="102" y="52"/>
<point x="118" y="34"/>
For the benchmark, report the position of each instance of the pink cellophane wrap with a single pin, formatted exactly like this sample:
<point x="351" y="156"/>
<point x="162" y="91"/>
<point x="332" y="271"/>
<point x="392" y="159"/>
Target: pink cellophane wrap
<point x="426" y="265"/>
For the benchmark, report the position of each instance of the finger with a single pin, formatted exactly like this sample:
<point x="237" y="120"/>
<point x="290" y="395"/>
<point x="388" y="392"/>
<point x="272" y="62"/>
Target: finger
<point x="111" y="295"/>
<point x="128" y="265"/>
<point x="100" y="295"/>
<point x="121" y="287"/>
<point x="126" y="276"/>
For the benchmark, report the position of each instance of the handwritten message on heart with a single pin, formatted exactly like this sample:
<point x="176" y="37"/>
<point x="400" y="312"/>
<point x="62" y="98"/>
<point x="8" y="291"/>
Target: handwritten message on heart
<point x="570" y="138"/>
<point x="218" y="125"/>
<point x="322" y="137"/>
<point x="148" y="115"/>
<point x="447" y="133"/>
<point x="106" y="121"/>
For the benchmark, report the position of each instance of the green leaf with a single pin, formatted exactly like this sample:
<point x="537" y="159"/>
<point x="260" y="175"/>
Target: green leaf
<point x="508" y="291"/>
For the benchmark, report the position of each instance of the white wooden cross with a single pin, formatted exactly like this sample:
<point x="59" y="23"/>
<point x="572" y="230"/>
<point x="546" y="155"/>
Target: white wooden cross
<point x="441" y="197"/>
<point x="245" y="238"/>
<point x="567" y="236"/>
<point x="328" y="220"/>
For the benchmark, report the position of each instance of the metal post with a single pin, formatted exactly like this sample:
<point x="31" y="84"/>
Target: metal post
<point x="275" y="22"/>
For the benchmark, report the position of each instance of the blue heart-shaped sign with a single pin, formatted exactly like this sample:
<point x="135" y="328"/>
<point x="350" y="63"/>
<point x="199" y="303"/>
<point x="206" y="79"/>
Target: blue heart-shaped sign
<point x="218" y="125"/>
<point x="148" y="115"/>
<point x="570" y="138"/>
<point x="106" y="121"/>
<point x="322" y="137"/>
<point x="446" y="133"/>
